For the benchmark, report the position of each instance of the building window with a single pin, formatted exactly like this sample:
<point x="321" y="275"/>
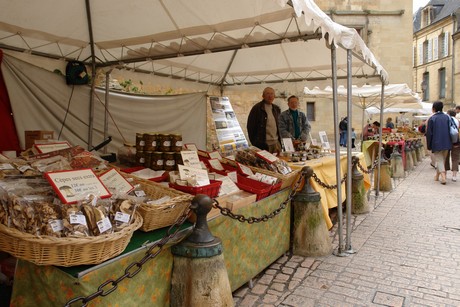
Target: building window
<point x="425" y="52"/>
<point x="311" y="111"/>
<point x="435" y="48"/>
<point x="444" y="44"/>
<point x="426" y="17"/>
<point x="420" y="53"/>
<point x="426" y="86"/>
<point x="442" y="83"/>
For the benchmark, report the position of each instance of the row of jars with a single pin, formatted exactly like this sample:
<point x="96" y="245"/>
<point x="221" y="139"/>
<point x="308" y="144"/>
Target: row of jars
<point x="158" y="142"/>
<point x="158" y="160"/>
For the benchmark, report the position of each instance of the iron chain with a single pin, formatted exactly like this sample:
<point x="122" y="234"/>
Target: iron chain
<point x="265" y="217"/>
<point x="368" y="171"/>
<point x="328" y="186"/>
<point x="134" y="268"/>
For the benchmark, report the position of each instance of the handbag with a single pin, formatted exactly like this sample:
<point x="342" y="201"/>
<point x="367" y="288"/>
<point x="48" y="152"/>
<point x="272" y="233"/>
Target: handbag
<point x="453" y="131"/>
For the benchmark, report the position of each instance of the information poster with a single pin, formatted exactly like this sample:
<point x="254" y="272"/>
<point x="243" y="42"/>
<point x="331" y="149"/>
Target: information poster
<point x="229" y="133"/>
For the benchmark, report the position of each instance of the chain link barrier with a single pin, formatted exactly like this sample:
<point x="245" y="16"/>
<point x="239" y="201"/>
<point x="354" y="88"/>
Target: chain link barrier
<point x="371" y="169"/>
<point x="264" y="218"/>
<point x="134" y="268"/>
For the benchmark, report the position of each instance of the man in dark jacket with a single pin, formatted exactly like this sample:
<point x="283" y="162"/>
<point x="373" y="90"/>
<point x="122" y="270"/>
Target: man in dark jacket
<point x="438" y="139"/>
<point x="262" y="123"/>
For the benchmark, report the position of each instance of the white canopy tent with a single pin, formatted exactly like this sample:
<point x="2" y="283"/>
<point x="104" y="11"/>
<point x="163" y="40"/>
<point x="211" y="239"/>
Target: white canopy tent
<point x="369" y="97"/>
<point x="216" y="42"/>
<point x="212" y="41"/>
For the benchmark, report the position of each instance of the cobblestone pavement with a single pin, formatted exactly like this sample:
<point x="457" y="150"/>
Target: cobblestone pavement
<point x="407" y="254"/>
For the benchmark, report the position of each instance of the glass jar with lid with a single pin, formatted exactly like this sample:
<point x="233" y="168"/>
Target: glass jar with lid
<point x="170" y="161"/>
<point x="150" y="141"/>
<point x="164" y="142"/>
<point x="140" y="141"/>
<point x="157" y="161"/>
<point x="176" y="142"/>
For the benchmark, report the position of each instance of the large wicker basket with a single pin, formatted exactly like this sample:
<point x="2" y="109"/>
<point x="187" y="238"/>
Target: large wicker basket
<point x="165" y="214"/>
<point x="48" y="250"/>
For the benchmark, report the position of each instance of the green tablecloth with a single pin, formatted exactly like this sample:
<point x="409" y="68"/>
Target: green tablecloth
<point x="248" y="249"/>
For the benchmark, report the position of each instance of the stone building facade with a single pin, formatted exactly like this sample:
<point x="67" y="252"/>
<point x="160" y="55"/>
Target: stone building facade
<point x="436" y="53"/>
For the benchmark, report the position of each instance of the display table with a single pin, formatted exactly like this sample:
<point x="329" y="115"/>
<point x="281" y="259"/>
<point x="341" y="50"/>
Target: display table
<point x="324" y="169"/>
<point x="248" y="250"/>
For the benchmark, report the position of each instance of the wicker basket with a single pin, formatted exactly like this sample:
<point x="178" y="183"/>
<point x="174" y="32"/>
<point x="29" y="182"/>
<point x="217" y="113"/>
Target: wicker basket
<point x="286" y="180"/>
<point x="165" y="214"/>
<point x="48" y="250"/>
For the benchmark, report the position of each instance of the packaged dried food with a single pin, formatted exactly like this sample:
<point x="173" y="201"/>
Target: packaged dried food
<point x="122" y="211"/>
<point x="25" y="212"/>
<point x="74" y="221"/>
<point x="97" y="215"/>
<point x="51" y="164"/>
<point x="51" y="222"/>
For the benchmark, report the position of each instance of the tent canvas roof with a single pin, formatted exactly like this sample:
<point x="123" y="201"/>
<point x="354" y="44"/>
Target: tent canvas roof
<point x="395" y="95"/>
<point x="212" y="41"/>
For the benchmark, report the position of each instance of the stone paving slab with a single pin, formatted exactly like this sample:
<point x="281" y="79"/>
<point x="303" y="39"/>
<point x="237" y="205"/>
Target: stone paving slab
<point x="407" y="254"/>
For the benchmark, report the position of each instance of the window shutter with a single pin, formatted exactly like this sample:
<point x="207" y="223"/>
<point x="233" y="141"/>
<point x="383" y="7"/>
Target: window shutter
<point x="420" y="53"/>
<point x="446" y="44"/>
<point x="435" y="48"/>
<point x="430" y="50"/>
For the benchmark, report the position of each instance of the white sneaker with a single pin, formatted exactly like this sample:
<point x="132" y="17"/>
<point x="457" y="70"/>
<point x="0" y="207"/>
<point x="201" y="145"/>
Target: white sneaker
<point x="454" y="178"/>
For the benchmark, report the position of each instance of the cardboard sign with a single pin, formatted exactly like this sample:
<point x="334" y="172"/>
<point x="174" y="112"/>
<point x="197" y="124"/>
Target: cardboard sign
<point x="190" y="158"/>
<point x="49" y="147"/>
<point x="244" y="169"/>
<point x="115" y="182"/>
<point x="191" y="147"/>
<point x="215" y="164"/>
<point x="215" y="155"/>
<point x="194" y="174"/>
<point x="324" y="140"/>
<point x="266" y="156"/>
<point x="72" y="186"/>
<point x="288" y="145"/>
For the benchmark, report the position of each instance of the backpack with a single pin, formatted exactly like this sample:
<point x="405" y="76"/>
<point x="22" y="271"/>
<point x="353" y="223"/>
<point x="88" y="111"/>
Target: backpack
<point x="75" y="73"/>
<point x="343" y="125"/>
<point x="453" y="131"/>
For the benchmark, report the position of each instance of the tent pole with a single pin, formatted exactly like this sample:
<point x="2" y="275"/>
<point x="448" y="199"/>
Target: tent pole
<point x="337" y="151"/>
<point x="106" y="108"/>
<point x="348" y="248"/>
<point x="93" y="76"/>
<point x="379" y="153"/>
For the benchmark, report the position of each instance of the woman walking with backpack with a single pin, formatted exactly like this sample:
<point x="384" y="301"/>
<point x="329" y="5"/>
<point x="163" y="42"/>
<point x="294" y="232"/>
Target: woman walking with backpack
<point x="438" y="139"/>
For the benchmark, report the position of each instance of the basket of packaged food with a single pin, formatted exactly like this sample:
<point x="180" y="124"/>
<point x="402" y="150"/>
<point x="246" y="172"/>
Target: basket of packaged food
<point x="162" y="206"/>
<point x="36" y="227"/>
<point x="261" y="189"/>
<point x="286" y="180"/>
<point x="212" y="189"/>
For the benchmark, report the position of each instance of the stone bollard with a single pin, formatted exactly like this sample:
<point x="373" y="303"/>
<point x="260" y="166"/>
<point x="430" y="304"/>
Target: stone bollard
<point x="199" y="276"/>
<point x="418" y="150"/>
<point x="397" y="165"/>
<point x="385" y="184"/>
<point x="409" y="162"/>
<point x="359" y="203"/>
<point x="414" y="155"/>
<point x="311" y="236"/>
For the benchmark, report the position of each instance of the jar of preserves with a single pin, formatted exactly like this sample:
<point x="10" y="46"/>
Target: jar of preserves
<point x="147" y="158"/>
<point x="164" y="142"/>
<point x="140" y="158"/>
<point x="178" y="158"/>
<point x="157" y="161"/>
<point x="150" y="141"/>
<point x="140" y="141"/>
<point x="170" y="161"/>
<point x="127" y="154"/>
<point x="176" y="142"/>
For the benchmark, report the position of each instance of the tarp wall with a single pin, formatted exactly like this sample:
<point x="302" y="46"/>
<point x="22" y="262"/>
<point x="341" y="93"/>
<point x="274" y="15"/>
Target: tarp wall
<point x="42" y="99"/>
